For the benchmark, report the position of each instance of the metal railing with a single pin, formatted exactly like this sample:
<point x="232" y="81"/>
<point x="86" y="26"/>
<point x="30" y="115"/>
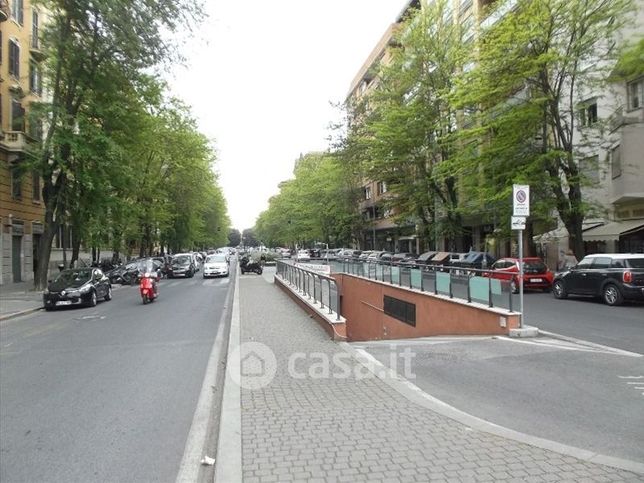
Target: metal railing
<point x="468" y="284"/>
<point x="315" y="286"/>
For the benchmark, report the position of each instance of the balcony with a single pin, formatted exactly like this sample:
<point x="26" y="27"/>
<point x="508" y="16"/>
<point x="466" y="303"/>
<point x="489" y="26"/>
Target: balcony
<point x="620" y="119"/>
<point x="35" y="48"/>
<point x="13" y="141"/>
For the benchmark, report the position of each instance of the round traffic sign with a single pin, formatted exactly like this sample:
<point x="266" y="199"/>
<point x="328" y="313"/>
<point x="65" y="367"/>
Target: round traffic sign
<point x="521" y="196"/>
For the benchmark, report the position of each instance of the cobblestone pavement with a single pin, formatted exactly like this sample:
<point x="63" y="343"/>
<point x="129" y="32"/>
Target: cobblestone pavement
<point x="358" y="428"/>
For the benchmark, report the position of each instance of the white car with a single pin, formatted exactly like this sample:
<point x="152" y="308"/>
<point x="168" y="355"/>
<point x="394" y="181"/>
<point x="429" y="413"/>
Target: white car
<point x="303" y="256"/>
<point x="215" y="265"/>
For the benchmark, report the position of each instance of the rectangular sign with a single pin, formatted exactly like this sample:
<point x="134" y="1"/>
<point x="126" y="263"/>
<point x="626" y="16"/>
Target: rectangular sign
<point x="521" y="200"/>
<point x="323" y="269"/>
<point x="518" y="223"/>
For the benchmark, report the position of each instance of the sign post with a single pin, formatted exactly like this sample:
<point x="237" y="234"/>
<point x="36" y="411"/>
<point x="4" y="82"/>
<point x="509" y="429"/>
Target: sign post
<point x="520" y="210"/>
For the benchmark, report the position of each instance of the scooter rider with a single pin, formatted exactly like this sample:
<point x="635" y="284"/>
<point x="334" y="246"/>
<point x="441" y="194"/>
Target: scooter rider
<point x="154" y="275"/>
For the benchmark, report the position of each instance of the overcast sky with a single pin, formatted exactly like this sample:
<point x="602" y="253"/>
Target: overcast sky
<point x="261" y="76"/>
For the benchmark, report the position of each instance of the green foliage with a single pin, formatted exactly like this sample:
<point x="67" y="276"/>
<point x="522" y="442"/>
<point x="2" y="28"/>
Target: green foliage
<point x="120" y="164"/>
<point x="234" y="238"/>
<point x="315" y="205"/>
<point x="404" y="134"/>
<point x="530" y="73"/>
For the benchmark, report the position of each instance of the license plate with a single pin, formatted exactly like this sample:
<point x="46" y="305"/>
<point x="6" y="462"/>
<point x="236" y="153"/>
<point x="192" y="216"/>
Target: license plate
<point x="536" y="280"/>
<point x="64" y="302"/>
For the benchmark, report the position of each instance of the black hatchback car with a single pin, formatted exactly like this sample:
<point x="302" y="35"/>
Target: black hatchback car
<point x="614" y="277"/>
<point x="77" y="286"/>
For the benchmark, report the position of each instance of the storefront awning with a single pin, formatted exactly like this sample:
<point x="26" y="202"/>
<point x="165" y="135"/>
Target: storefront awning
<point x="613" y="230"/>
<point x="561" y="232"/>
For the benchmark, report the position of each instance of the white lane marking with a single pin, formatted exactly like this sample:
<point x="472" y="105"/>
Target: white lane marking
<point x="174" y="284"/>
<point x="586" y="343"/>
<point x="571" y="346"/>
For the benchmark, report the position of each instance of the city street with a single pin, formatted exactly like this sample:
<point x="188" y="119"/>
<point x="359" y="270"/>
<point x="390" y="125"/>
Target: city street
<point x="570" y="391"/>
<point x="108" y="393"/>
<point x="588" y="319"/>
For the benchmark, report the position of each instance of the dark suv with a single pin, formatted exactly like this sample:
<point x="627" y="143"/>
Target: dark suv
<point x="614" y="277"/>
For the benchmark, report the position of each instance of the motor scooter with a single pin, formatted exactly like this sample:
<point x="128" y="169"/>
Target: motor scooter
<point x="149" y="286"/>
<point x="247" y="265"/>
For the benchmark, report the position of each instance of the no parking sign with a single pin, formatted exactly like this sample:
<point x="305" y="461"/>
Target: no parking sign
<point x="521" y="200"/>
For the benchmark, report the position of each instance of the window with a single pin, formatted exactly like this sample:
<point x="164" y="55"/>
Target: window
<point x="602" y="262"/>
<point x="635" y="91"/>
<point x="35" y="129"/>
<point x="35" y="184"/>
<point x="367" y="193"/>
<point x="17" y="11"/>
<point x="382" y="187"/>
<point x="34" y="30"/>
<point x="589" y="169"/>
<point x="14" y="58"/>
<point x="617" y="263"/>
<point x="17" y="116"/>
<point x="35" y="78"/>
<point x="615" y="162"/>
<point x="585" y="263"/>
<point x="588" y="114"/>
<point x="16" y="184"/>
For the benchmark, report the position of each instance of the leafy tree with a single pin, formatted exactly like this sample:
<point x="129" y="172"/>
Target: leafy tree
<point x="402" y="131"/>
<point x="248" y="238"/>
<point x="530" y="71"/>
<point x="314" y="206"/>
<point x="94" y="48"/>
<point x="234" y="238"/>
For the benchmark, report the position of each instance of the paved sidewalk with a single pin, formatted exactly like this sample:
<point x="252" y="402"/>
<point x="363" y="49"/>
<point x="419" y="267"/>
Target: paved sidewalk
<point x="360" y="428"/>
<point x="18" y="299"/>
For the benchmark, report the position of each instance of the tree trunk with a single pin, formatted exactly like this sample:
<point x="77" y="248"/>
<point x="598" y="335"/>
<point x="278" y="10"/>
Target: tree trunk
<point x="76" y="243"/>
<point x="49" y="231"/>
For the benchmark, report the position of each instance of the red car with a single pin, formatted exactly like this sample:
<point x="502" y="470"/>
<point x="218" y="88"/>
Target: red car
<point x="535" y="273"/>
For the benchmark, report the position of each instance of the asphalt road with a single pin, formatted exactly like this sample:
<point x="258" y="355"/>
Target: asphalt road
<point x="107" y="393"/>
<point x="573" y="393"/>
<point x="588" y="319"/>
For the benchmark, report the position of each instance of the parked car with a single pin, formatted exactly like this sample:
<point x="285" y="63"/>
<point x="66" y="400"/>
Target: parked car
<point x="440" y="259"/>
<point x="477" y="260"/>
<point x="374" y="255"/>
<point x="614" y="277"/>
<point x="535" y="273"/>
<point x="215" y="265"/>
<point x="330" y="254"/>
<point x="314" y="252"/>
<point x="77" y="286"/>
<point x="385" y="257"/>
<point x="349" y="254"/>
<point x="303" y="256"/>
<point x="404" y="259"/>
<point x="125" y="274"/>
<point x="424" y="258"/>
<point x="364" y="255"/>
<point x="182" y="265"/>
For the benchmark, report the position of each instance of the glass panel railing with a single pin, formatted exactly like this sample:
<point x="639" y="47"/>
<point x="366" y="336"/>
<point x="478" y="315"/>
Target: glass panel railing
<point x="416" y="278"/>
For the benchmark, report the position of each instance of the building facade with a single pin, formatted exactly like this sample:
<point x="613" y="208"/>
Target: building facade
<point x="21" y="203"/>
<point x="614" y="169"/>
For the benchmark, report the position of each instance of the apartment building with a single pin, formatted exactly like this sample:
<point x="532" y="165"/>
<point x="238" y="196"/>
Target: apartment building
<point x="382" y="232"/>
<point x="615" y="169"/>
<point x="21" y="204"/>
